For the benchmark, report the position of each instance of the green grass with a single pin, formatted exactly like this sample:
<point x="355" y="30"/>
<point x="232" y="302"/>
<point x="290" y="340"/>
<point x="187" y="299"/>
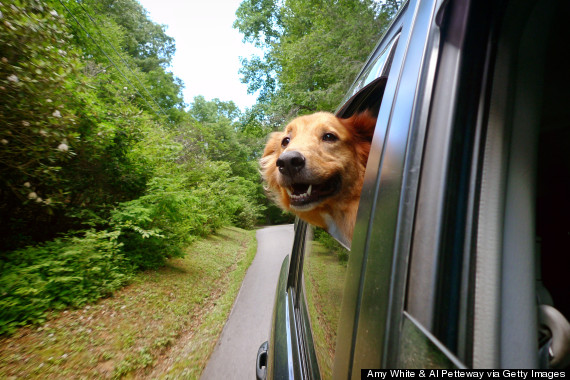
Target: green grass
<point x="324" y="284"/>
<point x="163" y="325"/>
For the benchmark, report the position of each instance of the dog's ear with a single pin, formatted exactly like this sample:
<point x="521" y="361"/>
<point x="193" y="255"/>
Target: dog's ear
<point x="268" y="160"/>
<point x="361" y="126"/>
<point x="268" y="166"/>
<point x="273" y="144"/>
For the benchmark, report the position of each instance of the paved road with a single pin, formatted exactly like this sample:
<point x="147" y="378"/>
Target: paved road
<point x="249" y="321"/>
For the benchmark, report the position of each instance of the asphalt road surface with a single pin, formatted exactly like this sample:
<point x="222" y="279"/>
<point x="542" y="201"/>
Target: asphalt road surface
<point x="249" y="321"/>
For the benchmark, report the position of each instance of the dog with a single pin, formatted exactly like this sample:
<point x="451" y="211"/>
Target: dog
<point x="315" y="169"/>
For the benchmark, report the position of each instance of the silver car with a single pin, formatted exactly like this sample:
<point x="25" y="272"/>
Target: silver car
<point x="460" y="256"/>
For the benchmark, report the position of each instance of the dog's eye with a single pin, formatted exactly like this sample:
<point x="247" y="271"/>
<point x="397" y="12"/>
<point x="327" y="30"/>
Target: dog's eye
<point x="330" y="137"/>
<point x="285" y="141"/>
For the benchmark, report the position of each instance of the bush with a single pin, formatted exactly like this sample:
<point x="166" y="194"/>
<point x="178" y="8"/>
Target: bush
<point x="154" y="227"/>
<point x="240" y="202"/>
<point x="170" y="215"/>
<point x="65" y="272"/>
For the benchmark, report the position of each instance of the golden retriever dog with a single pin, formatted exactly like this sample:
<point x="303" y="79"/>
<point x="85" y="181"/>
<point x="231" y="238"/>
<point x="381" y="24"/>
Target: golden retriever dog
<point x="315" y="169"/>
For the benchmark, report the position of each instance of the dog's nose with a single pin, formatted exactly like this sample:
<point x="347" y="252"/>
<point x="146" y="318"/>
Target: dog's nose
<point x="290" y="163"/>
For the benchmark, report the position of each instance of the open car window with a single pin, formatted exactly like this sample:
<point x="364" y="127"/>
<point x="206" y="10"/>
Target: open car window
<point x="325" y="256"/>
<point x="366" y="93"/>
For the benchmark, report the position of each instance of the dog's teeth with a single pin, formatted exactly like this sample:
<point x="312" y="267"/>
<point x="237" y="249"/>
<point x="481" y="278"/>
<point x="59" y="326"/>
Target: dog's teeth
<point x="309" y="190"/>
<point x="289" y="192"/>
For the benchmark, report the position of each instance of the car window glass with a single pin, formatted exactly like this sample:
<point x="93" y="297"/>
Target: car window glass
<point x="483" y="296"/>
<point x="377" y="68"/>
<point x="420" y="350"/>
<point x="324" y="271"/>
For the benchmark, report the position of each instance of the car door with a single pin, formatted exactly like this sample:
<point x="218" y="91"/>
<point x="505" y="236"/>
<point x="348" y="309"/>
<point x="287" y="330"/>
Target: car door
<point x="459" y="209"/>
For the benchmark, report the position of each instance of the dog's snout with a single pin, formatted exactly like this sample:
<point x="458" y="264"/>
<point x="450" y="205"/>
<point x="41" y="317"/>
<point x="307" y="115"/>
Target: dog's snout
<point x="291" y="163"/>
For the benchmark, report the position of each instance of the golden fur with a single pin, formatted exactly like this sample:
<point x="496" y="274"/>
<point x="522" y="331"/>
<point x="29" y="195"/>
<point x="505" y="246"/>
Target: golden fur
<point x="328" y="154"/>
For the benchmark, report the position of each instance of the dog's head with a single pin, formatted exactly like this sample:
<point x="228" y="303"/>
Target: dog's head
<point x="317" y="163"/>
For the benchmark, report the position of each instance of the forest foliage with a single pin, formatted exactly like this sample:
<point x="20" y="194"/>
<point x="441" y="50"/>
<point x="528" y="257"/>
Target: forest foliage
<point x="105" y="170"/>
<point x="313" y="50"/>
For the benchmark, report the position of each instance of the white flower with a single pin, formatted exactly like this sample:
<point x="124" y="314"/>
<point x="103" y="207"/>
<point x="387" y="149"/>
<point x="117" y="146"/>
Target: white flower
<point x="32" y="195"/>
<point x="27" y="184"/>
<point x="63" y="147"/>
<point x="39" y="200"/>
<point x="48" y="100"/>
<point x="54" y="13"/>
<point x="124" y="88"/>
<point x="48" y="201"/>
<point x="43" y="133"/>
<point x="4" y="141"/>
<point x="56" y="113"/>
<point x="62" y="53"/>
<point x="25" y="123"/>
<point x="13" y="78"/>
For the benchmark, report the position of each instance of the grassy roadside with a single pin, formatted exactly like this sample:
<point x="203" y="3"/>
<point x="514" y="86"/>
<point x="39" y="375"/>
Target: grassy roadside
<point x="165" y="324"/>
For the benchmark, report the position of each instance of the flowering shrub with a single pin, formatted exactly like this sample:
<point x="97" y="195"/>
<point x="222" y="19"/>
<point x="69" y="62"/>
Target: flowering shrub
<point x="38" y="126"/>
<point x="79" y="148"/>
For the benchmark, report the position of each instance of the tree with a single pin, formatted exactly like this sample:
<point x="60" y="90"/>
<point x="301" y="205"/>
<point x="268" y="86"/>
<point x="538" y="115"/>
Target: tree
<point x="143" y="39"/>
<point x="102" y="171"/>
<point x="69" y="116"/>
<point x="313" y="49"/>
<point x="118" y="36"/>
<point x="213" y="111"/>
<point x="217" y="135"/>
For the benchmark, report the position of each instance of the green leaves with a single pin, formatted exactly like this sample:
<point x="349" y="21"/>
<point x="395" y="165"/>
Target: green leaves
<point x="38" y="130"/>
<point x="259" y="21"/>
<point x="95" y="136"/>
<point x="313" y="49"/>
<point x="65" y="272"/>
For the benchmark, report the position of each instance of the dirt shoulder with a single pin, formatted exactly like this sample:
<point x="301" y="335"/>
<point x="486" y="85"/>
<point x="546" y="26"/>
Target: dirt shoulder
<point x="165" y="324"/>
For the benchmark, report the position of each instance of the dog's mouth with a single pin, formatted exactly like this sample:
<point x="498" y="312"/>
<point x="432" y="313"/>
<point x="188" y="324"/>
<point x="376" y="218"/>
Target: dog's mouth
<point x="304" y="196"/>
